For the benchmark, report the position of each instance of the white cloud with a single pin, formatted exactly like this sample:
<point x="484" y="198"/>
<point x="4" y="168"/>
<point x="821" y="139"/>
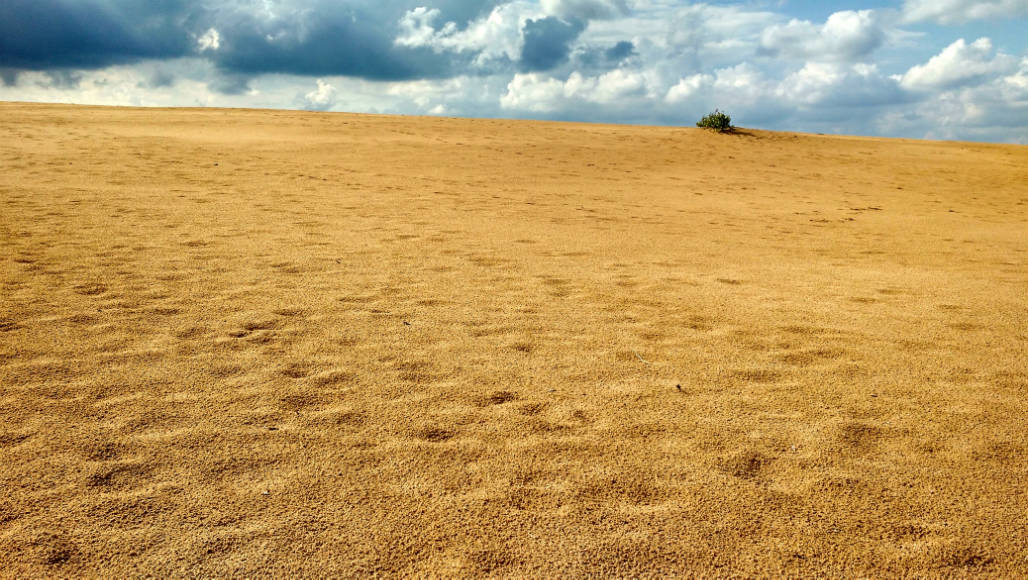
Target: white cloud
<point x="970" y="114"/>
<point x="187" y="83"/>
<point x="995" y="109"/>
<point x="434" y="96"/>
<point x="742" y="83"/>
<point x="957" y="65"/>
<point x="672" y="37"/>
<point x="705" y="24"/>
<point x="210" y="40"/>
<point x="617" y="85"/>
<point x="708" y="35"/>
<point x="847" y="36"/>
<point x="816" y="84"/>
<point x="640" y="94"/>
<point x="322" y="98"/>
<point x="1017" y="83"/>
<point x="533" y="92"/>
<point x="417" y="28"/>
<point x="959" y="11"/>
<point x="687" y="87"/>
<point x="536" y="92"/>
<point x="836" y="84"/>
<point x="493" y="37"/>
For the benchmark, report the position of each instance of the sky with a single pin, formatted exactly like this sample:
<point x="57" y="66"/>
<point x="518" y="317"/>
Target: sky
<point x="933" y="69"/>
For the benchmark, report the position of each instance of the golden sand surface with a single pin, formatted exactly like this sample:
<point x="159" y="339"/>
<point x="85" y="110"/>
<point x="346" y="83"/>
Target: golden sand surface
<point x="269" y="343"/>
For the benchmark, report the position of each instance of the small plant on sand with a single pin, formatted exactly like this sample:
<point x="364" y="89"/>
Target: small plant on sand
<point x="716" y="121"/>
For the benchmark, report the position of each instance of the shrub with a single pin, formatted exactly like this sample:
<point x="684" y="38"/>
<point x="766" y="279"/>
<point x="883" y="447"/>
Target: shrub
<point x="717" y="121"/>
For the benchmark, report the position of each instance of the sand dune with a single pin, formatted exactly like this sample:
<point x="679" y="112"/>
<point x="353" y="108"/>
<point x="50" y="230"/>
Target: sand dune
<point x="249" y="343"/>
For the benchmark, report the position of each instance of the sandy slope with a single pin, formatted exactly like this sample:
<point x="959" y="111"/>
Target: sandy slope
<point x="246" y="343"/>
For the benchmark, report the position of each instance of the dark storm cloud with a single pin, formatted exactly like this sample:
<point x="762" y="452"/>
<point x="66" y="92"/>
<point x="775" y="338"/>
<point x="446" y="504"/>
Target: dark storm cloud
<point x="343" y="41"/>
<point x="159" y="80"/>
<point x="620" y="51"/>
<point x="8" y="77"/>
<point x="590" y="9"/>
<point x="350" y="38"/>
<point x="548" y="42"/>
<point x="230" y="83"/>
<point x="594" y="60"/>
<point x="63" y="78"/>
<point x="45" y="34"/>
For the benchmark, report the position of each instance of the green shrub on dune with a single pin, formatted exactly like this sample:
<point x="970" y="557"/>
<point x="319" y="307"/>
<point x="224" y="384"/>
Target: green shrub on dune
<point x="716" y="121"/>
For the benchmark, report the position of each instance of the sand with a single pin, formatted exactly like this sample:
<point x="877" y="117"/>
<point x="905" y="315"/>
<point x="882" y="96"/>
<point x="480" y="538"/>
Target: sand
<point x="266" y="343"/>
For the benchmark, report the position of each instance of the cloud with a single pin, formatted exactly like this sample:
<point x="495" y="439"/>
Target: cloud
<point x="209" y="40"/>
<point x="515" y="32"/>
<point x="585" y="9"/>
<point x="43" y="34"/>
<point x="627" y="95"/>
<point x="62" y="78"/>
<point x="621" y="84"/>
<point x="840" y="85"/>
<point x="547" y="42"/>
<point x="957" y="65"/>
<point x="114" y="85"/>
<point x="544" y="93"/>
<point x="1017" y="83"/>
<point x="468" y="94"/>
<point x="960" y="11"/>
<point x="688" y="87"/>
<point x="8" y="77"/>
<point x="417" y="29"/>
<point x="591" y="59"/>
<point x="315" y="38"/>
<point x="620" y="51"/>
<point x="704" y="30"/>
<point x="992" y="111"/>
<point x="619" y="87"/>
<point x="533" y="92"/>
<point x="322" y="98"/>
<point x="322" y="39"/>
<point x="229" y="83"/>
<point x="993" y="108"/>
<point x="742" y="83"/>
<point x="847" y="36"/>
<point x="160" y="78"/>
<point x="637" y="61"/>
<point x="673" y="38"/>
<point x="493" y="38"/>
<point x="536" y="92"/>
